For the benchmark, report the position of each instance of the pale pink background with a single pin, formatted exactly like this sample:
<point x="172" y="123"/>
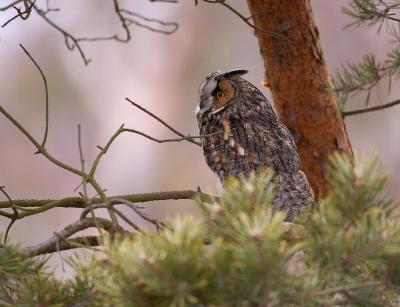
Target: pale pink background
<point x="160" y="72"/>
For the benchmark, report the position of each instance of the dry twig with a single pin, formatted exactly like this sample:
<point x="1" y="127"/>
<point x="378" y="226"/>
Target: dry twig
<point x="371" y="109"/>
<point x="160" y="120"/>
<point x="50" y="244"/>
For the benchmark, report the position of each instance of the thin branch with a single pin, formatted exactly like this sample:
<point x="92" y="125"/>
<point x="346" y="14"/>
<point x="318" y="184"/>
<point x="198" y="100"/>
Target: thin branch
<point x="121" y="129"/>
<point x="68" y="38"/>
<point x="38" y="146"/>
<point x="73" y="42"/>
<point x="58" y="250"/>
<point x="123" y="23"/>
<point x="8" y="6"/>
<point x="10" y="201"/>
<point x="103" y="150"/>
<point x="129" y="21"/>
<point x="28" y="10"/>
<point x="371" y="109"/>
<point x="43" y="151"/>
<point x="50" y="244"/>
<point x="8" y="230"/>
<point x="83" y="183"/>
<point x="166" y="1"/>
<point x="82" y="160"/>
<point x="49" y="9"/>
<point x="246" y="19"/>
<point x="46" y="130"/>
<point x="14" y="217"/>
<point x="79" y="202"/>
<point x="118" y="212"/>
<point x="160" y="120"/>
<point x="188" y="138"/>
<point x="143" y="215"/>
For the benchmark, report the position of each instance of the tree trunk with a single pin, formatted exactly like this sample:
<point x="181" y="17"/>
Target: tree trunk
<point x="296" y="73"/>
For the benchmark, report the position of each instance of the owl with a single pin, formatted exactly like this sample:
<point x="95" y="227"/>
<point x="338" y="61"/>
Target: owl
<point x="247" y="136"/>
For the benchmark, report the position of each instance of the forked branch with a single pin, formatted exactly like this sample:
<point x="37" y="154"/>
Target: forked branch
<point x="50" y="245"/>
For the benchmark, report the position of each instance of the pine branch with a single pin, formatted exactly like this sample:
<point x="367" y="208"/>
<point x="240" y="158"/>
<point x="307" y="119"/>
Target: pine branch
<point x="73" y="243"/>
<point x="371" y="109"/>
<point x="371" y="12"/>
<point x="43" y="205"/>
<point x="50" y="245"/>
<point x="363" y="77"/>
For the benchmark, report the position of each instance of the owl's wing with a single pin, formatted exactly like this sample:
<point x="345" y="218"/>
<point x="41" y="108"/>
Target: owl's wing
<point x="266" y="141"/>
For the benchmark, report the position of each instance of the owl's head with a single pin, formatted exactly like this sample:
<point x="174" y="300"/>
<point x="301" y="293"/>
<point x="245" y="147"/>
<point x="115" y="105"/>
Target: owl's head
<point x="217" y="91"/>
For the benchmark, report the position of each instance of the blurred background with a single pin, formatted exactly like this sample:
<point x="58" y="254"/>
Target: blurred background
<point x="160" y="72"/>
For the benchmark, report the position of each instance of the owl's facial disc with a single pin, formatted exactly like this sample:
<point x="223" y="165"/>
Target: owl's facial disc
<point x="217" y="91"/>
<point x="222" y="94"/>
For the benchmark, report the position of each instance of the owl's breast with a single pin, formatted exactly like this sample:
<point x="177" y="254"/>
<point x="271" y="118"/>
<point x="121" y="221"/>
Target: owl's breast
<point x="226" y="151"/>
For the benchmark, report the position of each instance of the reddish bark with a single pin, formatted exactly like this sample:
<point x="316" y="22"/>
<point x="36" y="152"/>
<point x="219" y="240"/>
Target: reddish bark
<point x="296" y="73"/>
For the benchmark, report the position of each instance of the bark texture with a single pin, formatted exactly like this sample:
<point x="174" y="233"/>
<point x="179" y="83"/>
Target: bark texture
<point x="296" y="73"/>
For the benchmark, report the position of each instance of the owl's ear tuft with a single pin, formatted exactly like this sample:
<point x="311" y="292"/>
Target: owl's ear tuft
<point x="235" y="73"/>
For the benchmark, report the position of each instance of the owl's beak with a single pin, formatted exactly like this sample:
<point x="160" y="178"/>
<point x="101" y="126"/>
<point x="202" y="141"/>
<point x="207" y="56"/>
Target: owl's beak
<point x="202" y="106"/>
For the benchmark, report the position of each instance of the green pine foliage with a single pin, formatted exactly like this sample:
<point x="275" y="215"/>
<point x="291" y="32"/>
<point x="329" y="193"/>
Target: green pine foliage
<point x="355" y="78"/>
<point x="26" y="281"/>
<point x="366" y="13"/>
<point x="241" y="253"/>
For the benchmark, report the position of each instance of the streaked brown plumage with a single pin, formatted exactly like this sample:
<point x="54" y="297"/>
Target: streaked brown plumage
<point x="252" y="139"/>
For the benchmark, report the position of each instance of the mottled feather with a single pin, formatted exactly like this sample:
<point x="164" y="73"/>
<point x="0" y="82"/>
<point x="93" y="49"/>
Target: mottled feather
<point x="252" y="139"/>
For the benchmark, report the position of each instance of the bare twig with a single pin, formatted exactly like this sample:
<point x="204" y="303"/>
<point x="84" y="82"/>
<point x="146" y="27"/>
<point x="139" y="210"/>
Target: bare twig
<point x="103" y="150"/>
<point x="129" y="21"/>
<point x="82" y="160"/>
<point x="10" y="5"/>
<point x="89" y="177"/>
<point x="2" y="189"/>
<point x="166" y="1"/>
<point x="121" y="129"/>
<point x="70" y="41"/>
<point x="188" y="138"/>
<point x="8" y="230"/>
<point x="246" y="19"/>
<point x="83" y="183"/>
<point x="159" y="225"/>
<point x="78" y="202"/>
<point x="49" y="9"/>
<point x="13" y="218"/>
<point x="58" y="250"/>
<point x="118" y="212"/>
<point x="123" y="23"/>
<point x="46" y="93"/>
<point x="50" y="244"/>
<point x="28" y="10"/>
<point x="371" y="109"/>
<point x="160" y="120"/>
<point x="43" y="151"/>
<point x="73" y="42"/>
<point x="72" y="243"/>
<point x="38" y="146"/>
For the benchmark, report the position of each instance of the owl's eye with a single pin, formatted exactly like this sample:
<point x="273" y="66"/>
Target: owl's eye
<point x="220" y="95"/>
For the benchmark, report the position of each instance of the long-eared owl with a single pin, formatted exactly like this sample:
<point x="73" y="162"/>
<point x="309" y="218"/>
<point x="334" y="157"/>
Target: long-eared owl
<point x="248" y="136"/>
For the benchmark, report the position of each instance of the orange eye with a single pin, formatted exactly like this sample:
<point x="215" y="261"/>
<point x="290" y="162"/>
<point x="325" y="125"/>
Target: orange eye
<point x="220" y="95"/>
